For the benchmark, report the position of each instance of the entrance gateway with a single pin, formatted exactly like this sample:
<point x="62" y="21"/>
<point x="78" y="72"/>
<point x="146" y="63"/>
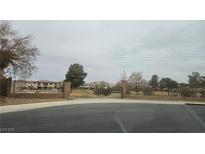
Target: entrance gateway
<point x="101" y="89"/>
<point x="123" y="88"/>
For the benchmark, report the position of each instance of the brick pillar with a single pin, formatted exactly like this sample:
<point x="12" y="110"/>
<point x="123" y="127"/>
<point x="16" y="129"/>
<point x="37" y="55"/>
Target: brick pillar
<point x="66" y="89"/>
<point x="123" y="88"/>
<point x="5" y="89"/>
<point x="9" y="84"/>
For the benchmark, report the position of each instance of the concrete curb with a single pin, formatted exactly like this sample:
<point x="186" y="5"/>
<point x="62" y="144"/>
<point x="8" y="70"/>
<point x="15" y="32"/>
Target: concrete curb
<point x="23" y="107"/>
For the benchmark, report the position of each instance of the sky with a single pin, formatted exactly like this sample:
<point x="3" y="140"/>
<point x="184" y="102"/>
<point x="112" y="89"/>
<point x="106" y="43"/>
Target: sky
<point x="107" y="48"/>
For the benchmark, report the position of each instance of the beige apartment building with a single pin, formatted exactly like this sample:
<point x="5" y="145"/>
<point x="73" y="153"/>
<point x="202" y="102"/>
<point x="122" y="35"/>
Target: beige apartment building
<point x="91" y="85"/>
<point x="19" y="85"/>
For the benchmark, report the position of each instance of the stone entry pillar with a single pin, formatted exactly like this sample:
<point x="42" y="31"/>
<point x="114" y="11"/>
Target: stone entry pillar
<point x="5" y="89"/>
<point x="123" y="88"/>
<point x="66" y="89"/>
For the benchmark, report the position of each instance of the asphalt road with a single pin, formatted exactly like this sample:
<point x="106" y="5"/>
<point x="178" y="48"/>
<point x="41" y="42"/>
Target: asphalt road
<point x="107" y="118"/>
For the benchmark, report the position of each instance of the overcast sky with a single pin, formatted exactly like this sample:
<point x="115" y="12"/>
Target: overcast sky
<point x="106" y="48"/>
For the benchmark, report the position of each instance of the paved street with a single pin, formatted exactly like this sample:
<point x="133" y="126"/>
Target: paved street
<point x="107" y="117"/>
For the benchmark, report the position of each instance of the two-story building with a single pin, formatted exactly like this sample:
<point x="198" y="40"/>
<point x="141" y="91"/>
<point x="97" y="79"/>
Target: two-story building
<point x="19" y="85"/>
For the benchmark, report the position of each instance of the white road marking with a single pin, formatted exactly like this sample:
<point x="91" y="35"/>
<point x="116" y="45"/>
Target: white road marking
<point x="120" y="124"/>
<point x="196" y="117"/>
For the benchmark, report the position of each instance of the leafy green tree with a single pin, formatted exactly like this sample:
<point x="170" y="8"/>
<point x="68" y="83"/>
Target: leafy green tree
<point x="194" y="80"/>
<point x="76" y="75"/>
<point x="183" y="85"/>
<point x="173" y="85"/>
<point x="168" y="83"/>
<point x="164" y="83"/>
<point x="154" y="82"/>
<point x="202" y="84"/>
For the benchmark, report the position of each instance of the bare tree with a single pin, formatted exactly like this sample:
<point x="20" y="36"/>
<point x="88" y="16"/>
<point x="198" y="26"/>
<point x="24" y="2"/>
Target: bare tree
<point x="194" y="81"/>
<point x="135" y="79"/>
<point x="17" y="53"/>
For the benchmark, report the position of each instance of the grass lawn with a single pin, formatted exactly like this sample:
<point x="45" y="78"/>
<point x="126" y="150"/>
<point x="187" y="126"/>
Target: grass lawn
<point x="76" y="93"/>
<point x="82" y="93"/>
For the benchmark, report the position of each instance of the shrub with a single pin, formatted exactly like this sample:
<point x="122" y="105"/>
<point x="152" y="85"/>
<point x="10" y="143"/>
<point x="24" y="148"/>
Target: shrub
<point x="147" y="91"/>
<point x="107" y="91"/>
<point x="186" y="92"/>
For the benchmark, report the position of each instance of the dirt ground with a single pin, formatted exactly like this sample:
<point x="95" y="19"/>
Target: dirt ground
<point x="15" y="101"/>
<point x="89" y="94"/>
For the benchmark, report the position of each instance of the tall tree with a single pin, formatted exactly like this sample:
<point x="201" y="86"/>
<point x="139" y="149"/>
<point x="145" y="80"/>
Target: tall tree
<point x="135" y="79"/>
<point x="202" y="85"/>
<point x="194" y="80"/>
<point x="154" y="82"/>
<point x="202" y="82"/>
<point x="76" y="75"/>
<point x="173" y="85"/>
<point x="168" y="83"/>
<point x="17" y="53"/>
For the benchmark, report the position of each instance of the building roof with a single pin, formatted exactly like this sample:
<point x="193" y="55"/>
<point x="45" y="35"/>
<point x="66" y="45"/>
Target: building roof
<point x="46" y="81"/>
<point x="30" y="81"/>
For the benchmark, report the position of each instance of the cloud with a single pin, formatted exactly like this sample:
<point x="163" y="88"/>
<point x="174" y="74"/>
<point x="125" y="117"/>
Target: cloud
<point x="106" y="48"/>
